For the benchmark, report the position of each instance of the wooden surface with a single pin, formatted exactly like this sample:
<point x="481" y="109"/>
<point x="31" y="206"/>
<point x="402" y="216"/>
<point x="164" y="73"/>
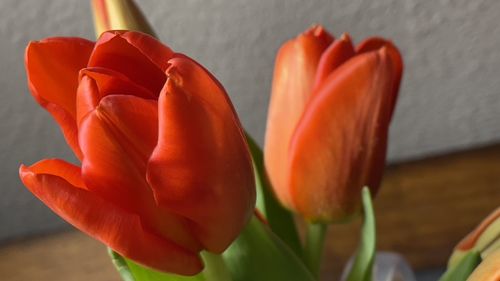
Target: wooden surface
<point x="424" y="208"/>
<point x="70" y="256"/>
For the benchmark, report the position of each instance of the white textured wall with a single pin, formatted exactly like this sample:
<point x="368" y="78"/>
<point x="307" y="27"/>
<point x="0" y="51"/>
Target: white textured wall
<point x="449" y="98"/>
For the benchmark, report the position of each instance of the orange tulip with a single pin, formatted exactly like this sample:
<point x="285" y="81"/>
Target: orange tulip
<point x="485" y="238"/>
<point x="165" y="171"/>
<point x="329" y="114"/>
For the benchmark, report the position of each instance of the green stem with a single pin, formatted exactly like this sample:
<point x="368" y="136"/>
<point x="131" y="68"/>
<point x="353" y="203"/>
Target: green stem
<point x="315" y="242"/>
<point x="362" y="267"/>
<point x="215" y="268"/>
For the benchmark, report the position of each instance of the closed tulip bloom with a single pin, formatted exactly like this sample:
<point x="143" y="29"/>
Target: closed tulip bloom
<point x="165" y="171"/>
<point x="328" y="120"/>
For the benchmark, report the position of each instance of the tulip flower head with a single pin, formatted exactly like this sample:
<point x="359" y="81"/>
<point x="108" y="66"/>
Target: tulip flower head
<point x="329" y="115"/>
<point x="485" y="239"/>
<point x="165" y="170"/>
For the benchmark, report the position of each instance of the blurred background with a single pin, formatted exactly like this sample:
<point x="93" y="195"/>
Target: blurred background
<point x="449" y="101"/>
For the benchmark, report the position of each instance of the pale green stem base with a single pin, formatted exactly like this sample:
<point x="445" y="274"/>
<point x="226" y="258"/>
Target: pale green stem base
<point x="315" y="242"/>
<point x="215" y="268"/>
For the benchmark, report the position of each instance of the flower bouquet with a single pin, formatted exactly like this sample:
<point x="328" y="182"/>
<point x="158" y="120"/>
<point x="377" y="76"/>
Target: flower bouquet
<point x="173" y="185"/>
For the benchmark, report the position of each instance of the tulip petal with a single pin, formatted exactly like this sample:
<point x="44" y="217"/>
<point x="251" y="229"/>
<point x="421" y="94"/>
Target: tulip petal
<point x="59" y="185"/>
<point x="376" y="43"/>
<point x="117" y="139"/>
<point x="158" y="53"/>
<point x="341" y="137"/>
<point x="114" y="52"/>
<point x="294" y="73"/>
<point x="96" y="83"/>
<point x="111" y="82"/>
<point x="201" y="168"/>
<point x="88" y="97"/>
<point x="52" y="67"/>
<point x="339" y="52"/>
<point x="68" y="127"/>
<point x="370" y="45"/>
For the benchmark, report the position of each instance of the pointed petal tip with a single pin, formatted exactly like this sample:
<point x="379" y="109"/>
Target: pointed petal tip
<point x="346" y="37"/>
<point x="108" y="35"/>
<point x="23" y="171"/>
<point x="316" y="30"/>
<point x="335" y="55"/>
<point x="383" y="53"/>
<point x="173" y="74"/>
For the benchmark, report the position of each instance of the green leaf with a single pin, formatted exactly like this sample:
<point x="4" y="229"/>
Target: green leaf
<point x="464" y="268"/>
<point x="363" y="263"/>
<point x="259" y="255"/>
<point x="280" y="220"/>
<point x="131" y="271"/>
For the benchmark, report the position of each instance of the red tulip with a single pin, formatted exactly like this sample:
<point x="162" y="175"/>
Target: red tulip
<point x="329" y="114"/>
<point x="165" y="168"/>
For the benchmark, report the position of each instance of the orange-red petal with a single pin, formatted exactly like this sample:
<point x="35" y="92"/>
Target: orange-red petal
<point x="117" y="139"/>
<point x="96" y="83"/>
<point x="293" y="81"/>
<point x="112" y="82"/>
<point x="88" y="97"/>
<point x="156" y="51"/>
<point x="115" y="52"/>
<point x="377" y="43"/>
<point x="201" y="168"/>
<point x="339" y="52"/>
<point x="59" y="185"/>
<point x="342" y="131"/>
<point x="52" y="67"/>
<point x="371" y="45"/>
<point x="68" y="127"/>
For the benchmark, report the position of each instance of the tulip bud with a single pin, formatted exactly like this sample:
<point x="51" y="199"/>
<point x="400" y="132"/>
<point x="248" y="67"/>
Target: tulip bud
<point x="119" y="15"/>
<point x="329" y="115"/>
<point x="484" y="239"/>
